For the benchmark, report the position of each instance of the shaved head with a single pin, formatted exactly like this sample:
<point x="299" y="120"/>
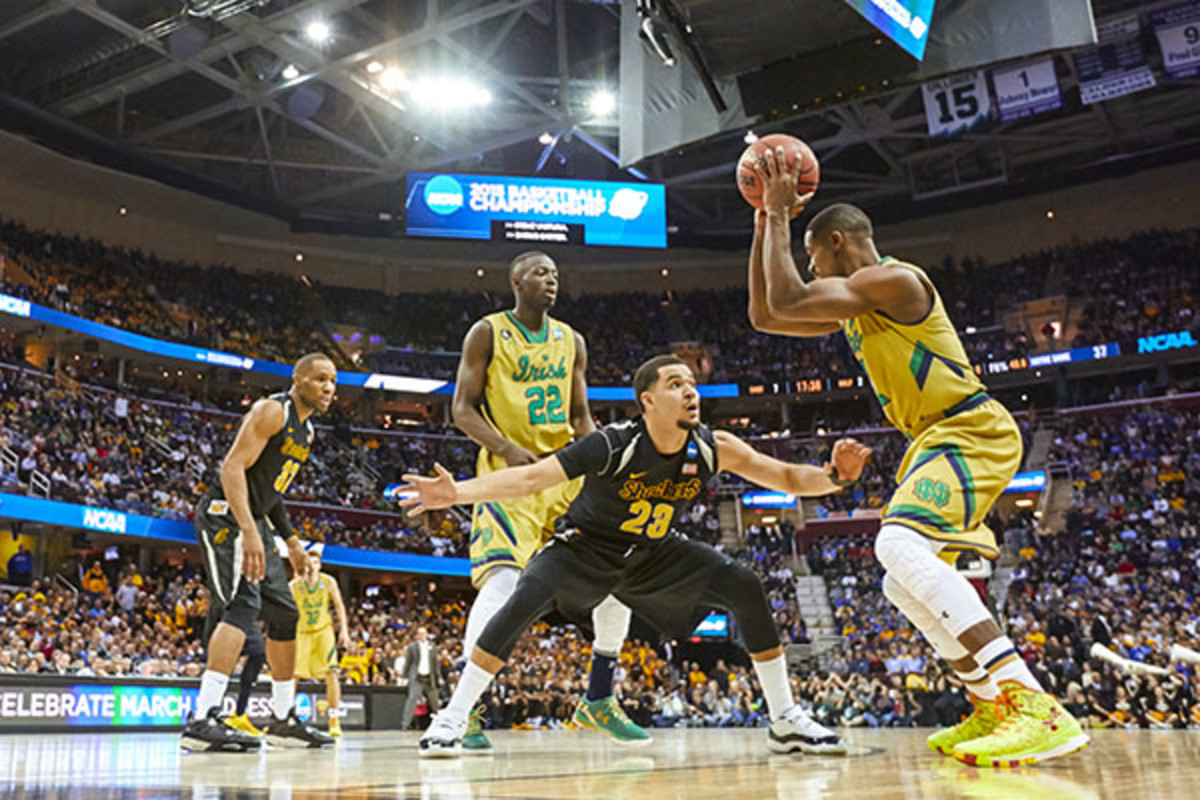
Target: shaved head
<point x="849" y="220"/>
<point x="307" y="362"/>
<point x="522" y="262"/>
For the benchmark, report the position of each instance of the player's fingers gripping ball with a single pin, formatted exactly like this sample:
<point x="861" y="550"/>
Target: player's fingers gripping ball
<point x="849" y="457"/>
<point x="763" y="156"/>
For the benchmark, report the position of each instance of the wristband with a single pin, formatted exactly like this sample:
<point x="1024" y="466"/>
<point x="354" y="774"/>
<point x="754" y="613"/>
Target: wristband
<point x="837" y="480"/>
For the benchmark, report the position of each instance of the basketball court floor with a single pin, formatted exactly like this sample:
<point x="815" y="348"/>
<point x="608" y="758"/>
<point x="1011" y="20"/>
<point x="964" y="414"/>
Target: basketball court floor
<point x="680" y="764"/>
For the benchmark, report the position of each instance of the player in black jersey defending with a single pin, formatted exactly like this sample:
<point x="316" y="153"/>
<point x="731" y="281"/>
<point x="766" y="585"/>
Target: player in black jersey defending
<point x="235" y="524"/>
<point x="617" y="538"/>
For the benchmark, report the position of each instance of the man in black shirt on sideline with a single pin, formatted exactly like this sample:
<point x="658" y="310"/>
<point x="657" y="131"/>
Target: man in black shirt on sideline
<point x="617" y="538"/>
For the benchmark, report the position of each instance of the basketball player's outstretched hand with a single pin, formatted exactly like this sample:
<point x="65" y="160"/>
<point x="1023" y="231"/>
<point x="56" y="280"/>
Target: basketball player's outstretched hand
<point x="849" y="457"/>
<point x="431" y="493"/>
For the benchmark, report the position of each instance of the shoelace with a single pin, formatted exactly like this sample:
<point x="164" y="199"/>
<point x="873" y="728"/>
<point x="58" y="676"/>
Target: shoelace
<point x="614" y="708"/>
<point x="1006" y="710"/>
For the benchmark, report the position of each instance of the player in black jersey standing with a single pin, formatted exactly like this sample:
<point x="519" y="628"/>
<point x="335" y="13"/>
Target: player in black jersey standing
<point x="235" y="524"/>
<point x="617" y="538"/>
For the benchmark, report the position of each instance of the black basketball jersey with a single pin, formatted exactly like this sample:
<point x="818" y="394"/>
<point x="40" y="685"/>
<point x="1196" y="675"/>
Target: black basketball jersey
<point x="269" y="477"/>
<point x="632" y="492"/>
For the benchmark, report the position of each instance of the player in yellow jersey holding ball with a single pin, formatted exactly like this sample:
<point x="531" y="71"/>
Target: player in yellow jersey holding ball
<point x="964" y="448"/>
<point x="316" y="648"/>
<point x="521" y="395"/>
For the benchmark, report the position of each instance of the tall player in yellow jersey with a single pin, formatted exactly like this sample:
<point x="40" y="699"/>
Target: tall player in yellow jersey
<point x="316" y="648"/>
<point x="964" y="449"/>
<point x="521" y="395"/>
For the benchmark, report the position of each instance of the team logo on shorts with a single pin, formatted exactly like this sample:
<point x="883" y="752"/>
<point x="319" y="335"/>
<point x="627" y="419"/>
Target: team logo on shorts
<point x="931" y="491"/>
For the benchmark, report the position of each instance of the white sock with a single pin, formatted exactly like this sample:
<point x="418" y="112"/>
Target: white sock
<point x="283" y="697"/>
<point x="773" y="677"/>
<point x="472" y="684"/>
<point x="212" y="692"/>
<point x="980" y="683"/>
<point x="492" y="595"/>
<point x="1004" y="663"/>
<point x="977" y="681"/>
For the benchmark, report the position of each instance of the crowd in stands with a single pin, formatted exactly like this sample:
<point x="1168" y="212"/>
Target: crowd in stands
<point x="278" y="317"/>
<point x="1124" y="573"/>
<point x="116" y="451"/>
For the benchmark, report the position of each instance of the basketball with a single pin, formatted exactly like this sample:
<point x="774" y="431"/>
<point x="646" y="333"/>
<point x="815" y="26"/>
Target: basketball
<point x="747" y="179"/>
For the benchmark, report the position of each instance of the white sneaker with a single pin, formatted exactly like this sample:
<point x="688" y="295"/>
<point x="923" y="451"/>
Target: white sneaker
<point x="797" y="731"/>
<point x="443" y="738"/>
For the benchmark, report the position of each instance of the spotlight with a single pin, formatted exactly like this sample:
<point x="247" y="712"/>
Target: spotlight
<point x="290" y="72"/>
<point x="546" y="138"/>
<point x="666" y="273"/>
<point x="480" y="272"/>
<point x="122" y="211"/>
<point x="299" y="257"/>
<point x="602" y="103"/>
<point x="1050" y="214"/>
<point x="318" y="31"/>
<point x="374" y="67"/>
<point x="449" y="94"/>
<point x="392" y="80"/>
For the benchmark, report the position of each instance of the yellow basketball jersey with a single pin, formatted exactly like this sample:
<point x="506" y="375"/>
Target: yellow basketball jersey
<point x="918" y="371"/>
<point x="313" y="603"/>
<point x="527" y="397"/>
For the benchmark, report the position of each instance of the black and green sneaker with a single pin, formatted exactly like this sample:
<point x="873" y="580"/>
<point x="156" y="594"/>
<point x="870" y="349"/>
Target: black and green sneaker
<point x="606" y="716"/>
<point x="474" y="738"/>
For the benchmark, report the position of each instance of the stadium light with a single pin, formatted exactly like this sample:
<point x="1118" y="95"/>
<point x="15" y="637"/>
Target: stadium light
<point x="290" y="72"/>
<point x="602" y="103"/>
<point x="449" y="94"/>
<point x="392" y="80"/>
<point x="546" y="138"/>
<point x="318" y="31"/>
<point x="374" y="67"/>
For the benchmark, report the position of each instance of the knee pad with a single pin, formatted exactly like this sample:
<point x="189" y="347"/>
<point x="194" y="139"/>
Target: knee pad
<point x="610" y="620"/>
<point x="242" y="617"/>
<point x="917" y="578"/>
<point x="281" y="622"/>
<point x="531" y="601"/>
<point x="742" y="593"/>
<point x="896" y="543"/>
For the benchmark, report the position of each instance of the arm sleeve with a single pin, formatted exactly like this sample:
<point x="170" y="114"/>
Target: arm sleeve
<point x="279" y="519"/>
<point x="589" y="454"/>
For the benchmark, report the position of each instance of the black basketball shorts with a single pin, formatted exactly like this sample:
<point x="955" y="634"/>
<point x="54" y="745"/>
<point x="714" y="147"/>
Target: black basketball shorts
<point x="241" y="602"/>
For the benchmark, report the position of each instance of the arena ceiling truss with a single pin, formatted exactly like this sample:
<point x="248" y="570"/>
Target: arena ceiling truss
<point x="233" y="98"/>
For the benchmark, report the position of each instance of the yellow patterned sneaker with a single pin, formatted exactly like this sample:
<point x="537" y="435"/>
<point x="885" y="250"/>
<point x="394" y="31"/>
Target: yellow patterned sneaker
<point x="335" y="726"/>
<point x="982" y="721"/>
<point x="242" y="723"/>
<point x="1036" y="729"/>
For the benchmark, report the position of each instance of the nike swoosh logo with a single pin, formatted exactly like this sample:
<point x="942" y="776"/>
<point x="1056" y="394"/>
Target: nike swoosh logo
<point x="636" y="475"/>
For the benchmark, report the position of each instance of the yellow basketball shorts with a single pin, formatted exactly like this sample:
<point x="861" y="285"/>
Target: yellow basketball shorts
<point x="507" y="534"/>
<point x="316" y="654"/>
<point x="952" y="474"/>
